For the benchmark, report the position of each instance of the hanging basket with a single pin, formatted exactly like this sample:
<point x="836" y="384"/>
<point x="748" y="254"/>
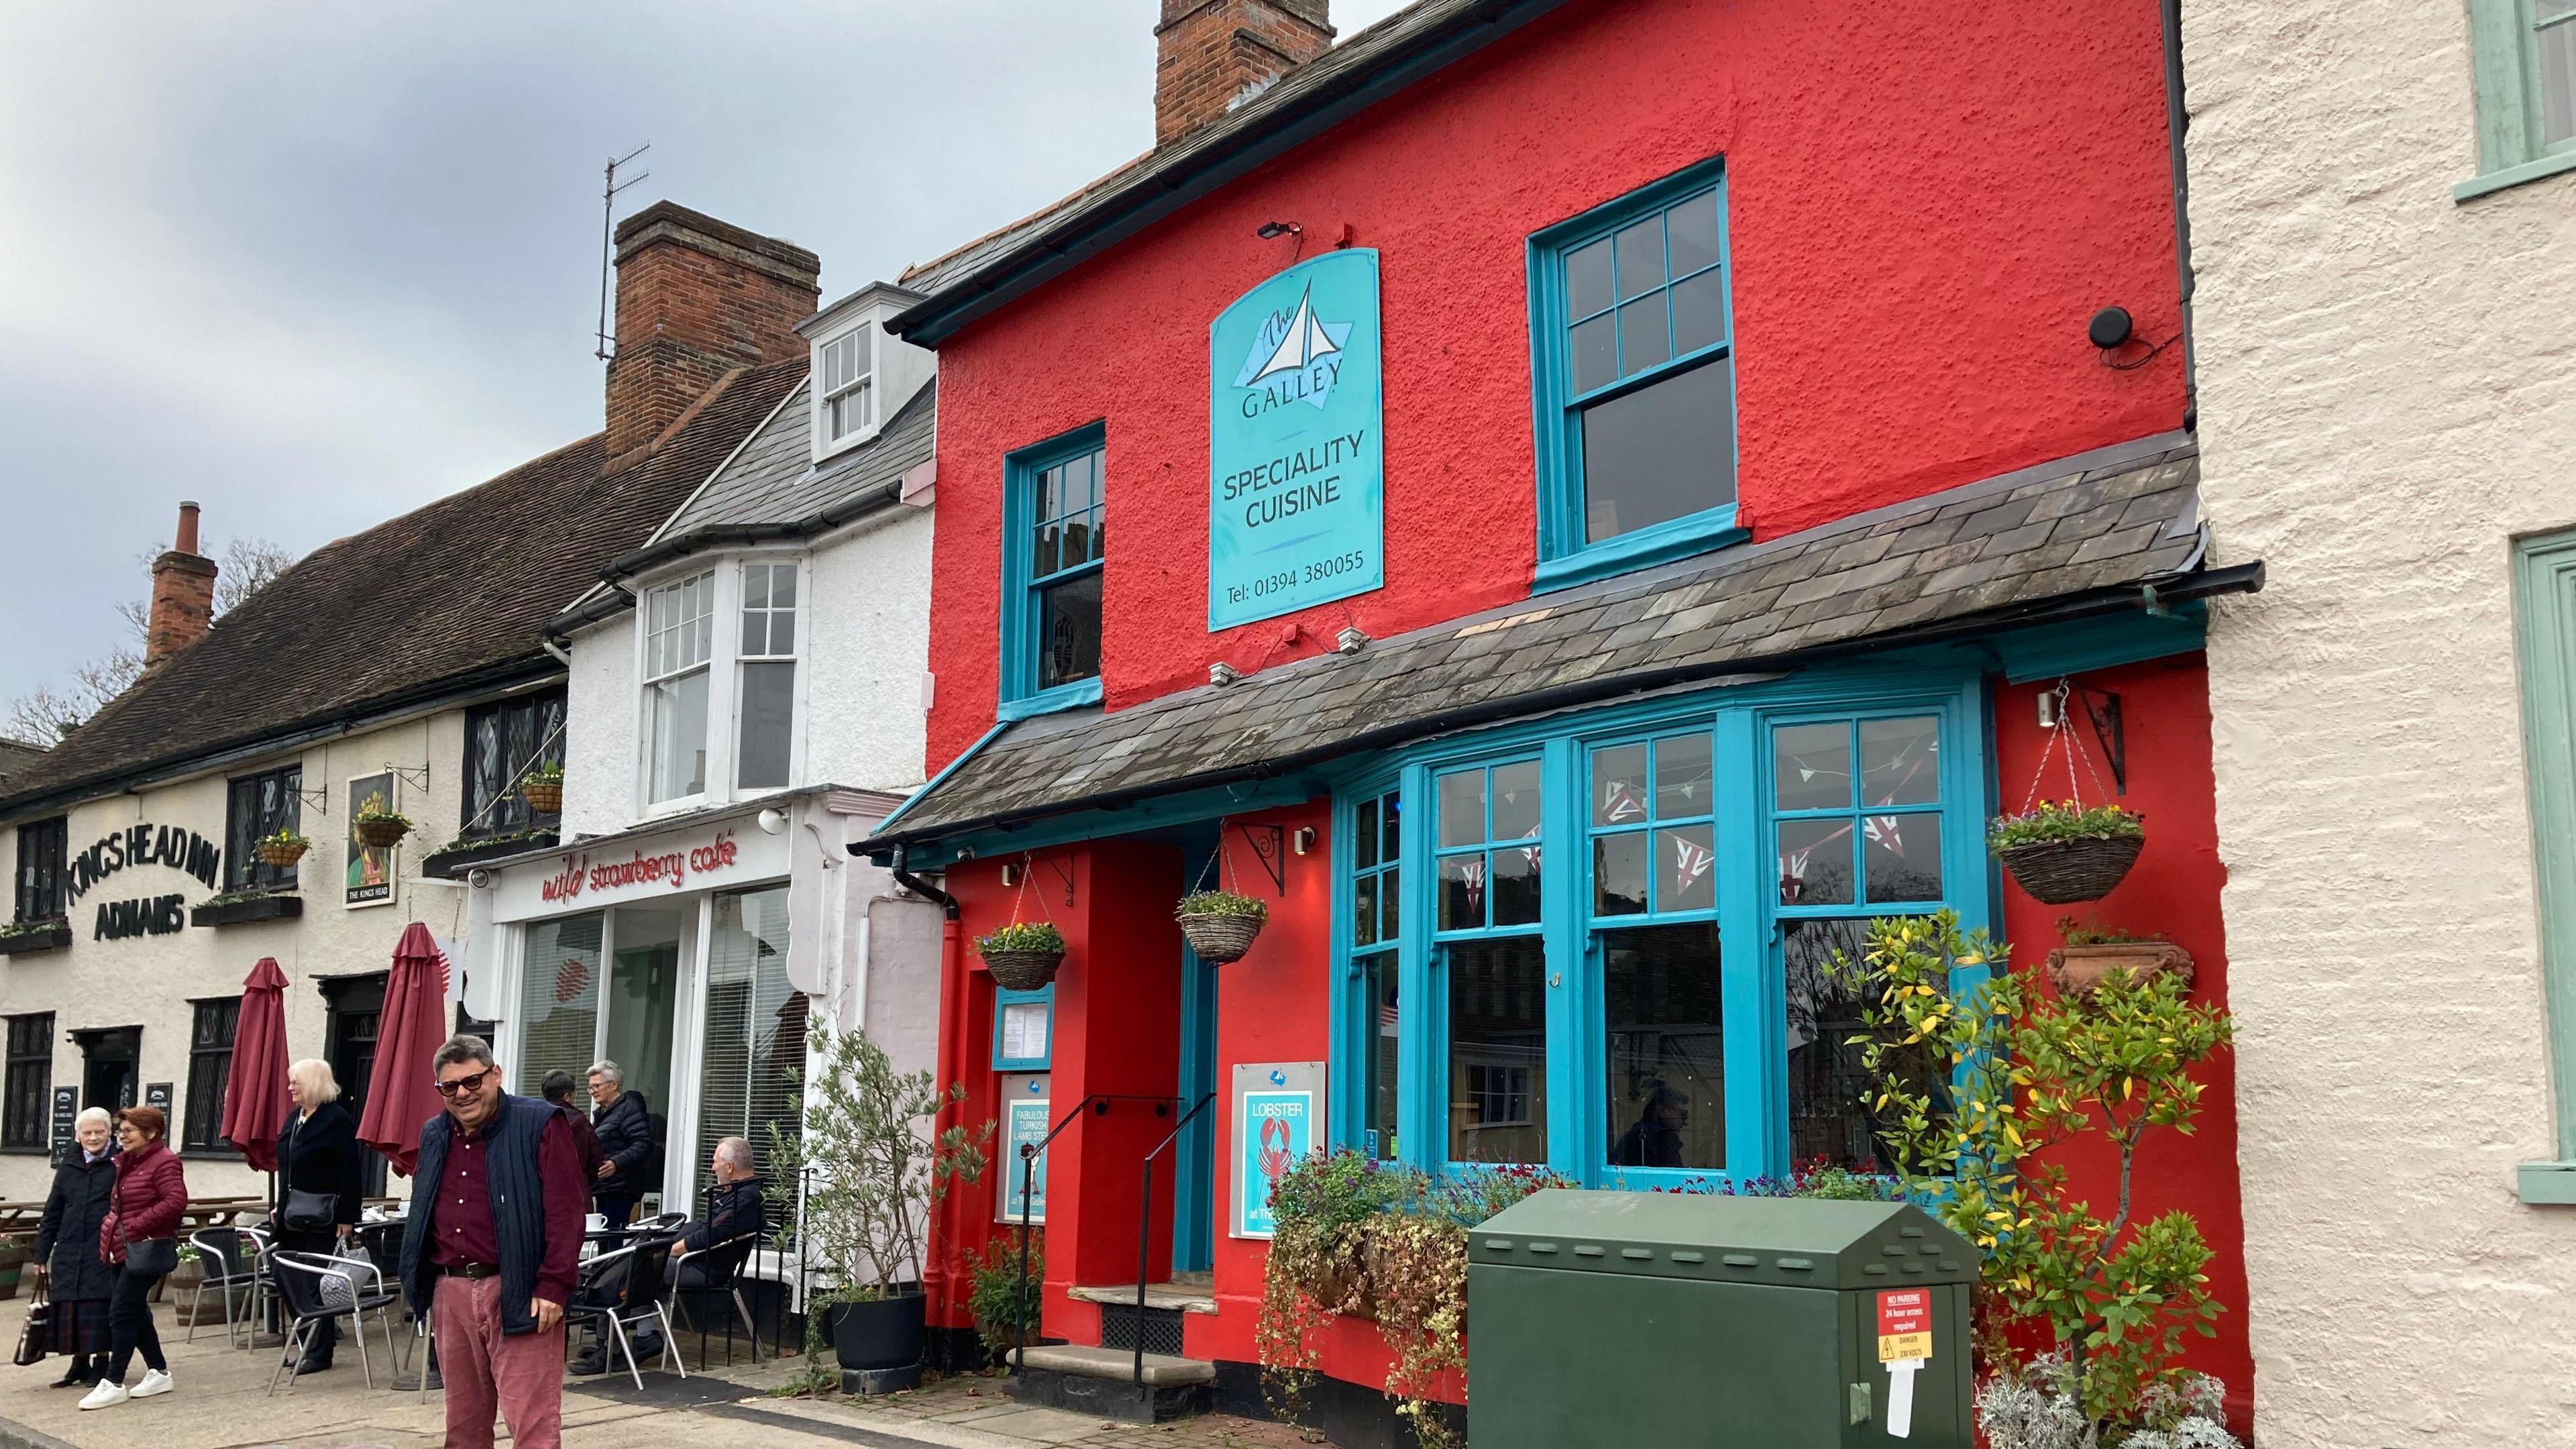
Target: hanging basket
<point x="1221" y="939"/>
<point x="1023" y="970"/>
<point x="543" y="799"/>
<point x="2076" y="970"/>
<point x="282" y="857"/>
<point x="380" y="834"/>
<point x="2063" y="872"/>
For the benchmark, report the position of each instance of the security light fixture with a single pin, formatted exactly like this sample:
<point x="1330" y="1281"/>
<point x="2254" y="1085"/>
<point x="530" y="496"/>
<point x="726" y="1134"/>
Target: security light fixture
<point x="1221" y="673"/>
<point x="1350" y="640"/>
<point x="1272" y="230"/>
<point x="1303" y="841"/>
<point x="773" y="821"/>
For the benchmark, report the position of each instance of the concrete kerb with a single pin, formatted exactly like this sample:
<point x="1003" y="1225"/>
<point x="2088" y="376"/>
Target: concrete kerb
<point x="14" y="1435"/>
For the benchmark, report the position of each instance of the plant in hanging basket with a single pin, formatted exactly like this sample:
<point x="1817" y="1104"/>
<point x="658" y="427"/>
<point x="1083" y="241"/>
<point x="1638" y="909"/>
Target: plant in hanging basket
<point x="2061" y="852"/>
<point x="380" y="828"/>
<point x="1022" y="956"/>
<point x="283" y="849"/>
<point x="542" y="788"/>
<point x="1220" y="925"/>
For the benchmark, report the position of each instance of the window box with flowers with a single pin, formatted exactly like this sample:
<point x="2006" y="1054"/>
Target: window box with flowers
<point x="22" y="937"/>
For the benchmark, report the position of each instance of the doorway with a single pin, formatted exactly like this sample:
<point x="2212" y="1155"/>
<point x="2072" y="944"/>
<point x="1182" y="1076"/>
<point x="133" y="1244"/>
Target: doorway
<point x="1194" y="1164"/>
<point x="110" y="1058"/>
<point x="643" y="1014"/>
<point x="353" y="1013"/>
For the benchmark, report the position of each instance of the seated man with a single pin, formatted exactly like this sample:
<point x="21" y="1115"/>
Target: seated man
<point x="734" y="1210"/>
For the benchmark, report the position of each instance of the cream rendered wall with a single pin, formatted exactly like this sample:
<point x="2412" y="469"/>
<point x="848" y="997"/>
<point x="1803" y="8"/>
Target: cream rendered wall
<point x="870" y="636"/>
<point x="599" y="730"/>
<point x="2387" y="396"/>
<point x="151" y="981"/>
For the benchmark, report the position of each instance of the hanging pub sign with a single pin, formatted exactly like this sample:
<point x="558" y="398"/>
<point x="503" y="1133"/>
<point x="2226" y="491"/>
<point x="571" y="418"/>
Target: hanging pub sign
<point x="369" y="872"/>
<point x="1296" y="463"/>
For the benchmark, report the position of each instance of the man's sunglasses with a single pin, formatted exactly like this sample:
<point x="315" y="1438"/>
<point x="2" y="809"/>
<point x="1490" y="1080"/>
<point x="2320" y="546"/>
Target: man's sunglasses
<point x="464" y="1085"/>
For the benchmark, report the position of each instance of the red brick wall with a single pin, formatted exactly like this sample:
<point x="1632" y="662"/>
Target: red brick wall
<point x="183" y="604"/>
<point x="1207" y="51"/>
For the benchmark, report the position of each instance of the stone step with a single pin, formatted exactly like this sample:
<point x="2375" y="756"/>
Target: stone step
<point x="1119" y="1365"/>
<point x="1182" y="1296"/>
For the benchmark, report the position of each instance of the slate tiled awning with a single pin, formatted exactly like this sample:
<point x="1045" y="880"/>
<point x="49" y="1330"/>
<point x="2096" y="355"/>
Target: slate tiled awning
<point x="2093" y="531"/>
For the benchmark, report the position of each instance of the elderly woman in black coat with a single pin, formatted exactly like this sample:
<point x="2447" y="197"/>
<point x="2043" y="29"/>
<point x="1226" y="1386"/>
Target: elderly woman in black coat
<point x="318" y="1162"/>
<point x="76" y="1282"/>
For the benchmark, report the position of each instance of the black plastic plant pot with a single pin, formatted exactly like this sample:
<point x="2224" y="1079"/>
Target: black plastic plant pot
<point x="878" y="1341"/>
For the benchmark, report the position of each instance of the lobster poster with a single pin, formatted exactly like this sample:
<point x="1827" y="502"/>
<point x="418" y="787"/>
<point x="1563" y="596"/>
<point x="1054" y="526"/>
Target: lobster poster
<point x="1278" y="1109"/>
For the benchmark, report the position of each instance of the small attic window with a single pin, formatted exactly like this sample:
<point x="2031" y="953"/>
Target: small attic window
<point x="844" y="378"/>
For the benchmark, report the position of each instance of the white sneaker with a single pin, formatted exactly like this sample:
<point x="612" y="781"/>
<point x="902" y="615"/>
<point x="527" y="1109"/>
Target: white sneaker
<point x="106" y="1395"/>
<point x="154" y="1382"/>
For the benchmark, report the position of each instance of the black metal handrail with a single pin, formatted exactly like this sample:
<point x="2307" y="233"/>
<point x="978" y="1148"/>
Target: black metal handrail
<point x="1098" y="1104"/>
<point x="1145" y="1226"/>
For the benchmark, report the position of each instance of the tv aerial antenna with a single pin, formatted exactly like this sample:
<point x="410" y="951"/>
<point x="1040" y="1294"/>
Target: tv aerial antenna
<point x="607" y="226"/>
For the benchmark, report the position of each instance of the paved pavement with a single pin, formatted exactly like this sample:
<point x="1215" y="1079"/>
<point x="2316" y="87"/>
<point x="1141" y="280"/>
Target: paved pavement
<point x="220" y="1403"/>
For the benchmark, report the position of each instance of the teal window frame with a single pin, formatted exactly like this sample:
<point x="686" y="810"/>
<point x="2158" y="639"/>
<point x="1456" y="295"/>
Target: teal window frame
<point x="2545" y="643"/>
<point x="2504" y="50"/>
<point x="1369" y="905"/>
<point x="1564" y="557"/>
<point x="1003" y="1000"/>
<point x="1750" y="920"/>
<point x="1019" y="695"/>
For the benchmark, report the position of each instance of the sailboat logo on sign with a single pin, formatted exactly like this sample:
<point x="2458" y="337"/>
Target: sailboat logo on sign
<point x="1296" y="357"/>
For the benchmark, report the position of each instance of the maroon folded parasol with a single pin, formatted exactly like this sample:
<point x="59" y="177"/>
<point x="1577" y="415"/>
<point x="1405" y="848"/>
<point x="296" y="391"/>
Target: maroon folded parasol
<point x="402" y="1093"/>
<point x="255" y="1093"/>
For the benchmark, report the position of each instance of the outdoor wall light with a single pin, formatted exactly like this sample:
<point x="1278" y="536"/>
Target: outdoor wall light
<point x="1012" y="871"/>
<point x="1350" y="640"/>
<point x="1303" y="842"/>
<point x="773" y="821"/>
<point x="1221" y="673"/>
<point x="1272" y="230"/>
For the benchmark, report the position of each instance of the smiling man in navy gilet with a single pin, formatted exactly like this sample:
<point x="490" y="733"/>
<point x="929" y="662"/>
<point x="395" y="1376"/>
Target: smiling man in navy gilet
<point x="491" y="1248"/>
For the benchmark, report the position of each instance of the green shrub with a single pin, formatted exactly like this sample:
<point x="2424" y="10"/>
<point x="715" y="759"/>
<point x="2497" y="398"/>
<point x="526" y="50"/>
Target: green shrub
<point x="993" y="1292"/>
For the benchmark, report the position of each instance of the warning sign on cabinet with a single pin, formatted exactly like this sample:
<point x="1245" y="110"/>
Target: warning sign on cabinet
<point x="1904" y="1324"/>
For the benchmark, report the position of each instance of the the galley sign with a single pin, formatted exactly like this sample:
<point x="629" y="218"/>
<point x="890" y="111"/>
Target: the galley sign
<point x="1296" y="463"/>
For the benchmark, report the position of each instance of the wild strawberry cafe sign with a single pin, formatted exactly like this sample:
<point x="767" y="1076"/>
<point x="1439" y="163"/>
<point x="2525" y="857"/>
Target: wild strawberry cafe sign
<point x="623" y="872"/>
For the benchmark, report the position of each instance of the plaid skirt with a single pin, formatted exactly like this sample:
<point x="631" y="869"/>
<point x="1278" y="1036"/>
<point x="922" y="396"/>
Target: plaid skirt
<point x="77" y="1325"/>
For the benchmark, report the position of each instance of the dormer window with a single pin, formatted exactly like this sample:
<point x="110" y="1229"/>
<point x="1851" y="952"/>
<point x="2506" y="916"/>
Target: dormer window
<point x="844" y="389"/>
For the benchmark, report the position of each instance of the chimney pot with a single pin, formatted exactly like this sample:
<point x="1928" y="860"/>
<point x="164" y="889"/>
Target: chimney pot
<point x="183" y="595"/>
<point x="1211" y="54"/>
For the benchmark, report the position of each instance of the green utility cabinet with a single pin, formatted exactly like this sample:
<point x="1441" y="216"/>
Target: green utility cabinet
<point x="1683" y="1319"/>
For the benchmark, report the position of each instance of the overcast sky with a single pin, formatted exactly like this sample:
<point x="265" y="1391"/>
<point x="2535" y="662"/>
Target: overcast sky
<point x="315" y="264"/>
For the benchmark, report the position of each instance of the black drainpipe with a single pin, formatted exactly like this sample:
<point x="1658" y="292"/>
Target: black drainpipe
<point x="2177" y="121"/>
<point x="920" y="887"/>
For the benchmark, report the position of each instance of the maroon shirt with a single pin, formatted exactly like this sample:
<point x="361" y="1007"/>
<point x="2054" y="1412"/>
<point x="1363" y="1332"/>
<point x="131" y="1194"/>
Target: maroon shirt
<point x="461" y="1230"/>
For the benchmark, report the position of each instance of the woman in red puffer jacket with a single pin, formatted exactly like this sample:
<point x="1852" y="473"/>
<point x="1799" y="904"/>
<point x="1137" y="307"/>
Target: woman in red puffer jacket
<point x="141" y="1236"/>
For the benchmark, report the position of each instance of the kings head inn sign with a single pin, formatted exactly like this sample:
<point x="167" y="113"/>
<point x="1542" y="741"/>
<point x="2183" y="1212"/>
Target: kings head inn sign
<point x="170" y="847"/>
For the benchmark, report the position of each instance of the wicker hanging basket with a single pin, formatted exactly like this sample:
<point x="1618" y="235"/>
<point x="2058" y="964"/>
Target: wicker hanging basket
<point x="380" y="834"/>
<point x="281" y="856"/>
<point x="1023" y="970"/>
<point x="1220" y="939"/>
<point x="543" y="799"/>
<point x="2063" y="872"/>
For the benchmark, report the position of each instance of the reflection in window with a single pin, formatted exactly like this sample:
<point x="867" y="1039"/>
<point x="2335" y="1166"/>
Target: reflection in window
<point x="1497" y="1050"/>
<point x="1068" y="538"/>
<point x="559" y="998"/>
<point x="1654" y="832"/>
<point x="1499" y="886"/>
<point x="754" y="1058"/>
<point x="1665" y="1046"/>
<point x="1378" y="1092"/>
<point x="1859" y="811"/>
<point x="1829" y="1091"/>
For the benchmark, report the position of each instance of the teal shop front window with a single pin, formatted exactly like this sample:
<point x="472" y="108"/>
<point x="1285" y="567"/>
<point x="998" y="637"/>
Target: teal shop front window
<point x="1633" y="337"/>
<point x="1487" y="895"/>
<point x="1377" y="891"/>
<point x="1055" y="526"/>
<point x="1857" y="812"/>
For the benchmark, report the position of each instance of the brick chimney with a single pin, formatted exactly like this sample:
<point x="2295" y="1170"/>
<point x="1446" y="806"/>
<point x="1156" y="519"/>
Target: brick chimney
<point x="183" y="595"/>
<point x="1210" y="53"/>
<point x="696" y="298"/>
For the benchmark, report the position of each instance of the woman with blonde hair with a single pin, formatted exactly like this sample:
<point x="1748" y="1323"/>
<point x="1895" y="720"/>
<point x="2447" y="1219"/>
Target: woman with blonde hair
<point x="317" y="1170"/>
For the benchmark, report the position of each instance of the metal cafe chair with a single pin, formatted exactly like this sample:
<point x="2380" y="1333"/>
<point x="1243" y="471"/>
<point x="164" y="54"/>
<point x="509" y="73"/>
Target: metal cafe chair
<point x="721" y="1267"/>
<point x="647" y="1270"/>
<point x="317" y="1289"/>
<point x="233" y="1259"/>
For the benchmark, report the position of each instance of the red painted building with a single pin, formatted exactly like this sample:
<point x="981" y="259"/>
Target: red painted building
<point x="1702" y="407"/>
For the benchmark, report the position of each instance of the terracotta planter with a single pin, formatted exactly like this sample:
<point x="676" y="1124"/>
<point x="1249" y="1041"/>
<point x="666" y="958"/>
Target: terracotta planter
<point x="379" y="834"/>
<point x="1023" y="970"/>
<point x="1220" y="939"/>
<point x="281" y="857"/>
<point x="543" y="799"/>
<point x="2063" y="872"/>
<point x="2076" y="970"/>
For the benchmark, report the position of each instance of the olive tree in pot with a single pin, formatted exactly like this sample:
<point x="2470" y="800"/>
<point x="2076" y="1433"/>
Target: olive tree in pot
<point x="871" y="1162"/>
